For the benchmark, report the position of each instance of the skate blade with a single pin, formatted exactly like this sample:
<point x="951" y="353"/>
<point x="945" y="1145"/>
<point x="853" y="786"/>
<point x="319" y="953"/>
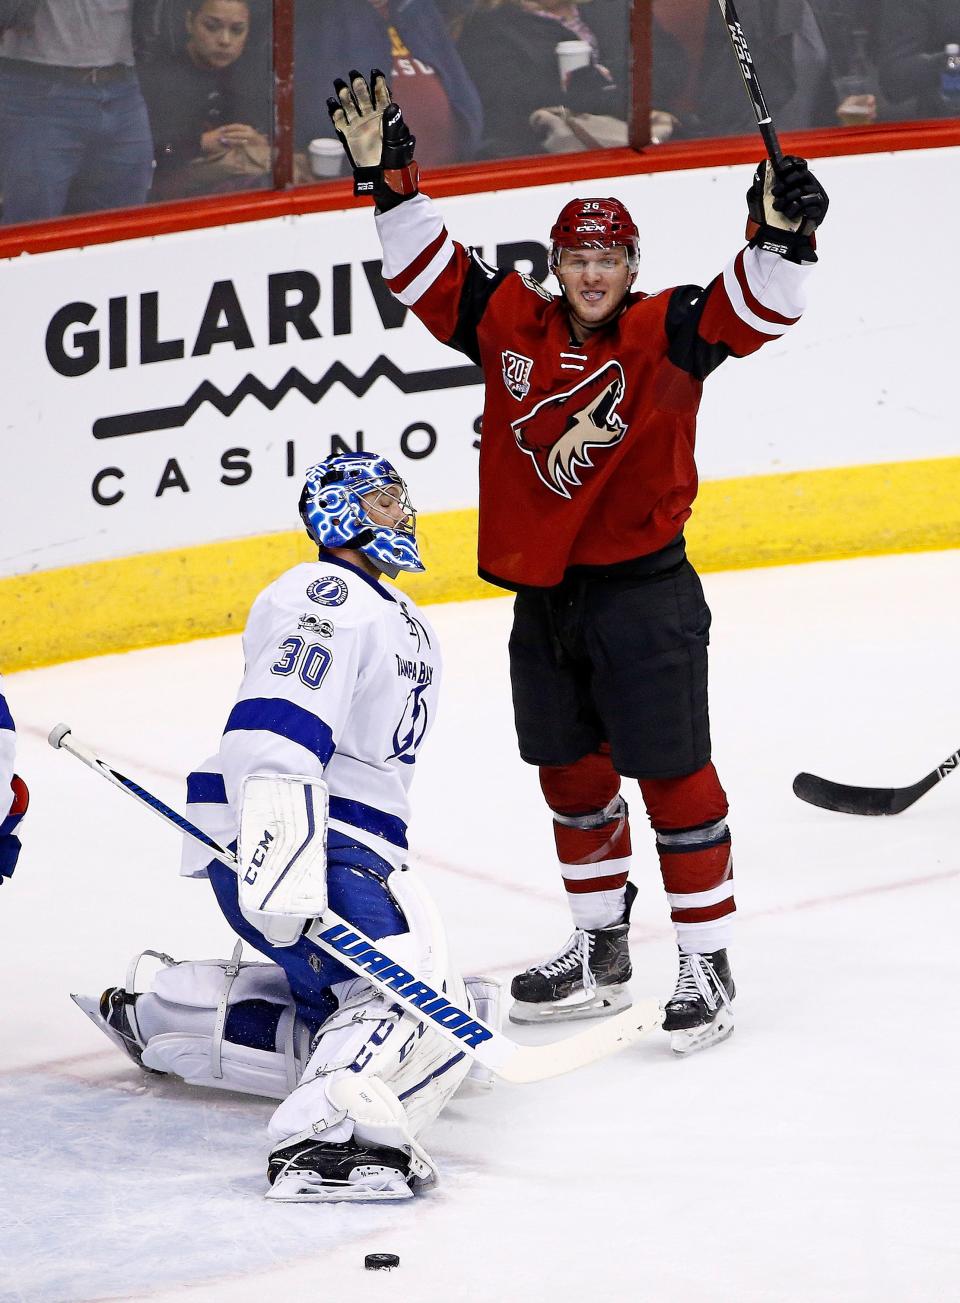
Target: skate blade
<point x="692" y="1039"/>
<point x="603" y="1002"/>
<point x="90" y="1005"/>
<point x="301" y="1188"/>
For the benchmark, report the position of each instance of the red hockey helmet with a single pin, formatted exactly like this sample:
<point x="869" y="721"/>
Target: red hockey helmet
<point x="595" y="224"/>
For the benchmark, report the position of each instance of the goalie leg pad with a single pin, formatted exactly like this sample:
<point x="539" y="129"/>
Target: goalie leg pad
<point x="485" y="995"/>
<point x="240" y="1068"/>
<point x="370" y="1037"/>
<point x="214" y="1023"/>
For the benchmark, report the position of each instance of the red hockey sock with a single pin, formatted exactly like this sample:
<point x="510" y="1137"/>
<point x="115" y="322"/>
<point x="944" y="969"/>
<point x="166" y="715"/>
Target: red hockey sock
<point x="592" y="834"/>
<point x="689" y="817"/>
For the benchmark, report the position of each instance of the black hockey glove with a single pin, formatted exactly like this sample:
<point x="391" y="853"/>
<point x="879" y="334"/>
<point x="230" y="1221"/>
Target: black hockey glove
<point x="786" y="205"/>
<point x="377" y="141"/>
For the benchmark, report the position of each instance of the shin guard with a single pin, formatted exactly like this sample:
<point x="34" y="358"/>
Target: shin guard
<point x="592" y="834"/>
<point x="688" y="815"/>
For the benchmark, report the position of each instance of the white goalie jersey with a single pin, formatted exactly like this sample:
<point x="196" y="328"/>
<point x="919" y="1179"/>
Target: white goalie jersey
<point x="341" y="680"/>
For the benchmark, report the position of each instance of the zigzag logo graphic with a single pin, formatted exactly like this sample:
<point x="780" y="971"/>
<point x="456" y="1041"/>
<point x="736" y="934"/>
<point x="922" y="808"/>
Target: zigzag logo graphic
<point x="174" y="418"/>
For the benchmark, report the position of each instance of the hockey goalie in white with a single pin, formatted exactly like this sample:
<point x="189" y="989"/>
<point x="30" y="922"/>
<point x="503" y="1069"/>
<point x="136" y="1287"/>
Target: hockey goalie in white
<point x="312" y="775"/>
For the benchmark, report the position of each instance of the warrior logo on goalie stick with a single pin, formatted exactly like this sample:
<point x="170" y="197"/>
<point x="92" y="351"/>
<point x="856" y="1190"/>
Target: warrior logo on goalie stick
<point x="393" y="975"/>
<point x="561" y="431"/>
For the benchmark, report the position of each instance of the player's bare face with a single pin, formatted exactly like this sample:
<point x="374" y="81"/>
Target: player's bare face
<point x="595" y="283"/>
<point x="217" y="32"/>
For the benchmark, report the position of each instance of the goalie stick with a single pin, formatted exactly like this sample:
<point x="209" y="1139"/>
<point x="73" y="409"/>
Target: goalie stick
<point x="496" y="1051"/>
<point x="751" y="81"/>
<point x="869" y="800"/>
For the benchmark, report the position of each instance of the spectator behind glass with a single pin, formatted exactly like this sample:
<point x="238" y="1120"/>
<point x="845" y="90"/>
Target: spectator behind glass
<point x="789" y="47"/>
<point x="74" y="134"/>
<point x="210" y="104"/>
<point x="409" y="40"/>
<point x="911" y="52"/>
<point x="849" y="30"/>
<point x="509" y="48"/>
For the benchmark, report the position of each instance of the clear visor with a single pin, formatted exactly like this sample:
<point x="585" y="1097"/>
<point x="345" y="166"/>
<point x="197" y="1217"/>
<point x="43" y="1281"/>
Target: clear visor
<point x="558" y="250"/>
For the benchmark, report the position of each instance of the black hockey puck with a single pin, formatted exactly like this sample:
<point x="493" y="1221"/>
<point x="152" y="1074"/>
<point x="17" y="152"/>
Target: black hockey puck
<point x="381" y="1261"/>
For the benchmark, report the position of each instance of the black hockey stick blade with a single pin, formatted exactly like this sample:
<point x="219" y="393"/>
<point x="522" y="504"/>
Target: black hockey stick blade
<point x="868" y="800"/>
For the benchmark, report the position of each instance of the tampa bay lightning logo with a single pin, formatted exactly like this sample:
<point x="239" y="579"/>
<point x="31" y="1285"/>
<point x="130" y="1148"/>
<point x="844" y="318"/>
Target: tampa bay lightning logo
<point x="412" y="728"/>
<point x="328" y="591"/>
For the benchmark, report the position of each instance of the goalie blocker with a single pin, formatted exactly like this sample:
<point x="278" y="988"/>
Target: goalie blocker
<point x="282" y="851"/>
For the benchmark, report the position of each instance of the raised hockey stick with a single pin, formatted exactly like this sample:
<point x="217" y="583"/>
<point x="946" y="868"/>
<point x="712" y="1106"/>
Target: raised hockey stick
<point x="500" y="1053"/>
<point x="751" y="81"/>
<point x="869" y="800"/>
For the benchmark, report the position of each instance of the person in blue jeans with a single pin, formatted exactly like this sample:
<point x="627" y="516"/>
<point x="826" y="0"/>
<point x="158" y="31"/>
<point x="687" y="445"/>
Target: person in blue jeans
<point x="74" y="132"/>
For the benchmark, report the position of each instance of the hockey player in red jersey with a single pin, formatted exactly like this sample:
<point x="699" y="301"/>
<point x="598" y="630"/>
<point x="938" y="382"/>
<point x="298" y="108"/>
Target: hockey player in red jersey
<point x="587" y="476"/>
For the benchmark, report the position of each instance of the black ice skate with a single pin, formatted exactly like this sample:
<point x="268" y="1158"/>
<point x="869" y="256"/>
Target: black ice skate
<point x="586" y="979"/>
<point x="700" y="1011"/>
<point x="114" y="1013"/>
<point x="309" y="1171"/>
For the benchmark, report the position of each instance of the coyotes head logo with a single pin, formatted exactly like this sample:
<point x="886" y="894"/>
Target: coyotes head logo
<point x="560" y="431"/>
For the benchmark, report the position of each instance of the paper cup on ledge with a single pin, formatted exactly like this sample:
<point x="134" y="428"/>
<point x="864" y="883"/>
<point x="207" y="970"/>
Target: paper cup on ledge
<point x="572" y="55"/>
<point x="326" y="157"/>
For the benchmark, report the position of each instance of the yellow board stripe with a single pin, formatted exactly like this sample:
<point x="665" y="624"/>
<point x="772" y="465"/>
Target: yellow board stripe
<point x="763" y="520"/>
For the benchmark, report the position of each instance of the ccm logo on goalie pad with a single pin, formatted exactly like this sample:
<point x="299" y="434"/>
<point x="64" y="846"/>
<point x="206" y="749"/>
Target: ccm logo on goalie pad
<point x="282" y="844"/>
<point x="438" y="1009"/>
<point x="258" y="856"/>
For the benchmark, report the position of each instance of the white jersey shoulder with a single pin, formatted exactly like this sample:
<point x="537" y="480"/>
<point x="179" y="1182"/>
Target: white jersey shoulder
<point x="341" y="679"/>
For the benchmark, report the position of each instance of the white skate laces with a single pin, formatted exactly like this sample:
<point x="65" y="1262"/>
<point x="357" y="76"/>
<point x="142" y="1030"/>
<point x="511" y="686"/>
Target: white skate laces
<point x="575" y="950"/>
<point x="697" y="978"/>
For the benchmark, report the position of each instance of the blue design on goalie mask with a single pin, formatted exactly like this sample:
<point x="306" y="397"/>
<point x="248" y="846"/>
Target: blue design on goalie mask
<point x="338" y="506"/>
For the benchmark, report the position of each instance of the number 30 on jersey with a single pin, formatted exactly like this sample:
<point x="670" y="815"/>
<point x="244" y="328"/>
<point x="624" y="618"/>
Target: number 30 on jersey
<point x="309" y="661"/>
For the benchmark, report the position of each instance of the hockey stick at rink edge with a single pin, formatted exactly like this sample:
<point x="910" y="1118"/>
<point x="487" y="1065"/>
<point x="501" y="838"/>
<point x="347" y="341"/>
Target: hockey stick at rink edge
<point x="495" y="1050"/>
<point x="869" y="800"/>
<point x="748" y="72"/>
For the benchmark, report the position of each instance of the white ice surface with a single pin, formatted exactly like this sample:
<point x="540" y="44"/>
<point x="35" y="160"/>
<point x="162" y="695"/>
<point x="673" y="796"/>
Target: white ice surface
<point x="812" y="1157"/>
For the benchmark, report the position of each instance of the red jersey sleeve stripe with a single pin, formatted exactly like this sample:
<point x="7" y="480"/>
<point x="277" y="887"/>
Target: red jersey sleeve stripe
<point x="753" y="303"/>
<point x="723" y="323"/>
<point x="403" y="279"/>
